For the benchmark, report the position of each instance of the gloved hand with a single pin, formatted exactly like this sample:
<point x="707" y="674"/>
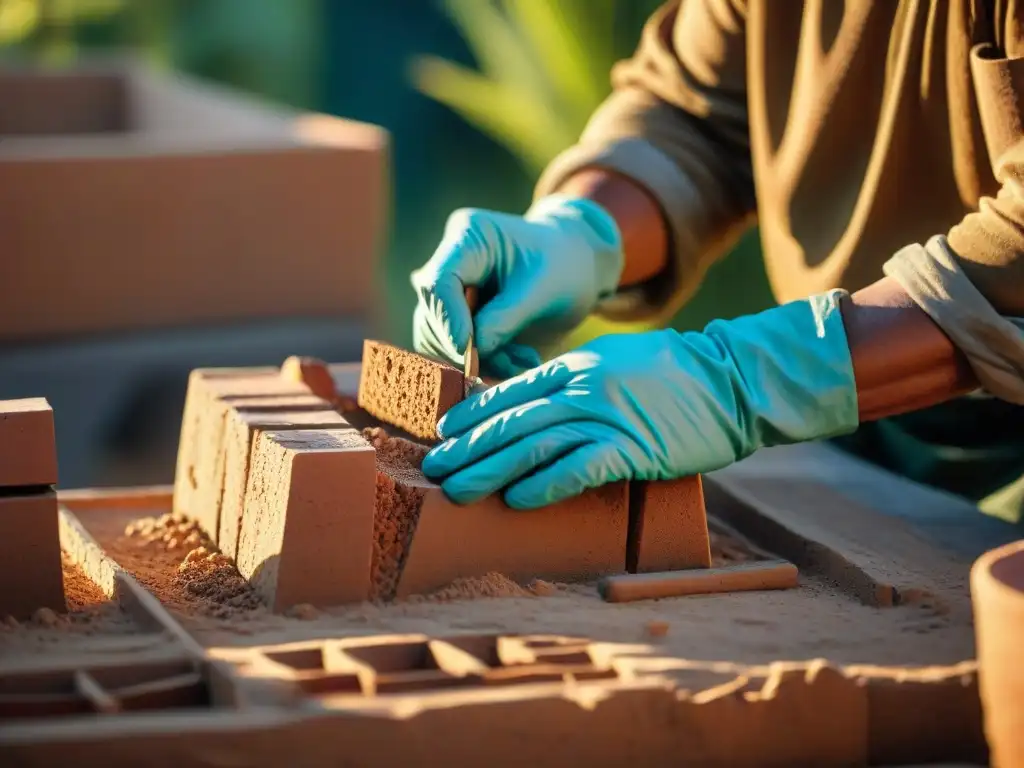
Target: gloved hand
<point x="652" y="406"/>
<point x="541" y="274"/>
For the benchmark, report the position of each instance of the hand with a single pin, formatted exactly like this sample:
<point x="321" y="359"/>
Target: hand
<point x="652" y="406"/>
<point x="543" y="273"/>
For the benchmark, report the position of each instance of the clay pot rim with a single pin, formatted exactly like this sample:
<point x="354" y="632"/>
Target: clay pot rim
<point x="985" y="570"/>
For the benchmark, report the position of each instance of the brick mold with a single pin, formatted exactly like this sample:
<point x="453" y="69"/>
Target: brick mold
<point x="408" y="390"/>
<point x="997" y="588"/>
<point x="28" y="451"/>
<point x="403" y="696"/>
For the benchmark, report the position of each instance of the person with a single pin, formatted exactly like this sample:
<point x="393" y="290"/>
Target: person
<point x="878" y="146"/>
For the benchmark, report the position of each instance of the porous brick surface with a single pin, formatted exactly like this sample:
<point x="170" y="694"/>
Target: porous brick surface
<point x="240" y="428"/>
<point x="671" y="525"/>
<point x="211" y="394"/>
<point x="28" y="454"/>
<point x="407" y="390"/>
<point x="307" y="526"/>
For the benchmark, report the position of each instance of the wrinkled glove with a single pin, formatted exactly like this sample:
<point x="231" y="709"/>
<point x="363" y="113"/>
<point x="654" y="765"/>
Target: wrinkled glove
<point x="542" y="273"/>
<point x="652" y="406"/>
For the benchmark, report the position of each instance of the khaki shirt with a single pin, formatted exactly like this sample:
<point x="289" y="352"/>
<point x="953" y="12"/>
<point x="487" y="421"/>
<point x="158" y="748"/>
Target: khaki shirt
<point x="863" y="137"/>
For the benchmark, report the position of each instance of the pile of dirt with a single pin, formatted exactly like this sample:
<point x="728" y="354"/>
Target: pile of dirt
<point x="87" y="605"/>
<point x="487" y="586"/>
<point x="728" y="550"/>
<point x="174" y="559"/>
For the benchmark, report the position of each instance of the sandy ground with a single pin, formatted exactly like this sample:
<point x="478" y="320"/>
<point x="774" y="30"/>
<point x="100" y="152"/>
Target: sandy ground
<point x="93" y="626"/>
<point x="213" y="602"/>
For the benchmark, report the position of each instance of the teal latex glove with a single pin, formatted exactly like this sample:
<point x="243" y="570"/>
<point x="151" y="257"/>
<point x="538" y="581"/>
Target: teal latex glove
<point x="652" y="406"/>
<point x="541" y="275"/>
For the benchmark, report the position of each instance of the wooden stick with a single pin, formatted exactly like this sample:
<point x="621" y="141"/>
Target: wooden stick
<point x="743" y="577"/>
<point x="101" y="701"/>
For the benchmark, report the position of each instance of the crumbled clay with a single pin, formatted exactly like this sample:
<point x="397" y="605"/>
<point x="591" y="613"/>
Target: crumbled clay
<point x="489" y="585"/>
<point x="171" y="557"/>
<point x="399" y="496"/>
<point x="656" y="628"/>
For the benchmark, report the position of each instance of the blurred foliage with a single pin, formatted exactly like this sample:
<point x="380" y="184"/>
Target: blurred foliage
<point x="497" y="88"/>
<point x="269" y="47"/>
<point x="543" y="68"/>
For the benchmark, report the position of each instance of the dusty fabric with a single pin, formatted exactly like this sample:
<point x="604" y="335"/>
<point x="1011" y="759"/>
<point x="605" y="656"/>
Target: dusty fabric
<point x="862" y="128"/>
<point x="993" y="345"/>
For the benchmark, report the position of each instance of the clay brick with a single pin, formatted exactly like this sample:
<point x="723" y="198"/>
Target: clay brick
<point x="312" y="372"/>
<point x="30" y="566"/>
<point x="574" y="540"/>
<point x="407" y="390"/>
<point x="240" y="428"/>
<point x="28" y="452"/>
<point x="671" y="526"/>
<point x="307" y="525"/>
<point x="209" y="395"/>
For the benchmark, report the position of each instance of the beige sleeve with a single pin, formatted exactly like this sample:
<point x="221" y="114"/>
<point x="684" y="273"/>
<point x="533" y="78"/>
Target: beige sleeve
<point x="971" y="283"/>
<point x="676" y="122"/>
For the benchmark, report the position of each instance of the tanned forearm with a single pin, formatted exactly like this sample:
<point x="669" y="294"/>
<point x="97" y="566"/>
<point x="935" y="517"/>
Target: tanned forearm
<point x="641" y="224"/>
<point x="901" y="359"/>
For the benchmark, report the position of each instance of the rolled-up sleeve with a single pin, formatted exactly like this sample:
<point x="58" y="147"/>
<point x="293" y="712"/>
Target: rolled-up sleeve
<point x="971" y="282"/>
<point x="676" y="123"/>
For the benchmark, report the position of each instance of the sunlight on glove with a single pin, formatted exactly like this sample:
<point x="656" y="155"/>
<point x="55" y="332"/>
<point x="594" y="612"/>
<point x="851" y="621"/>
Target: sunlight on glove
<point x="652" y="406"/>
<point x="544" y="273"/>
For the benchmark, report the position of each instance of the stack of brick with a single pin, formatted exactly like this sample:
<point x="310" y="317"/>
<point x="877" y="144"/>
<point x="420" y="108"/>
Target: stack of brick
<point x="30" y="562"/>
<point x="314" y="512"/>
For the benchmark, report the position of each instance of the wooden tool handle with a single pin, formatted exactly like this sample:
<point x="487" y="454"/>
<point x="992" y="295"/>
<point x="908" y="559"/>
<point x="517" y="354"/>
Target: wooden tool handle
<point x="743" y="577"/>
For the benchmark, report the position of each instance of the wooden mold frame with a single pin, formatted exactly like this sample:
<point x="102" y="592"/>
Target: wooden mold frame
<point x="464" y="699"/>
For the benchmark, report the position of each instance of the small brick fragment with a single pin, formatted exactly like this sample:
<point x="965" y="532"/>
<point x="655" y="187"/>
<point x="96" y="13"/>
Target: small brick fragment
<point x="312" y="372"/>
<point x="671" y="522"/>
<point x="30" y="566"/>
<point x="656" y="628"/>
<point x="407" y="390"/>
<point x="28" y="452"/>
<point x="307" y="525"/>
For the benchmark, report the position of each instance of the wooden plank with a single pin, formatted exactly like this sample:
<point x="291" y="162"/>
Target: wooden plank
<point x="879" y="559"/>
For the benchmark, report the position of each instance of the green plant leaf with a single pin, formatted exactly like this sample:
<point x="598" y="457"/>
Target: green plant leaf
<point x="500" y="50"/>
<point x="564" y="51"/>
<point x="511" y="115"/>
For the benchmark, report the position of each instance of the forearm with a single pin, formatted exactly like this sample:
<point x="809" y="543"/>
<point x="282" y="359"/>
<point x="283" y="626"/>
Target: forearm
<point x="902" y="361"/>
<point x="643" y="228"/>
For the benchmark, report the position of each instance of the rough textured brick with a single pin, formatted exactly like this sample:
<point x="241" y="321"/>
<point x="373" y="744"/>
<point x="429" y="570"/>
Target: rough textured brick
<point x="671" y="526"/>
<point x="307" y="526"/>
<point x="407" y="390"/>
